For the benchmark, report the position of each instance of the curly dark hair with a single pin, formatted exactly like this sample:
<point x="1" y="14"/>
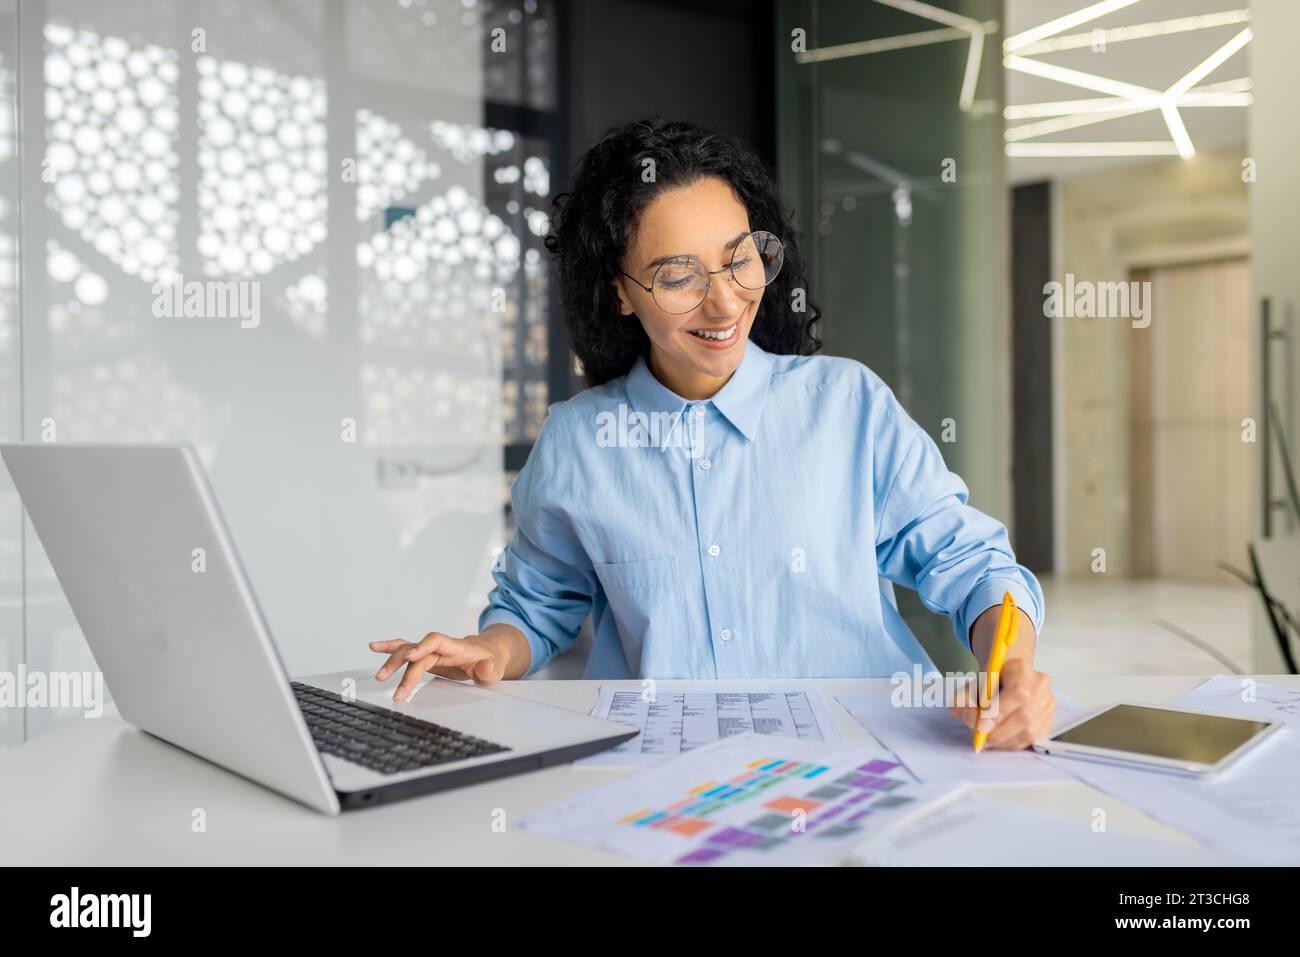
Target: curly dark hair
<point x="594" y="221"/>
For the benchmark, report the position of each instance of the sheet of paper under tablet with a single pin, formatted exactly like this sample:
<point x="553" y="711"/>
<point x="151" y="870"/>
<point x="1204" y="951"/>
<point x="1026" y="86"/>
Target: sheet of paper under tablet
<point x="1250" y="808"/>
<point x="676" y="719"/>
<point x="935" y="746"/>
<point x="1244" y="698"/>
<point x="977" y="831"/>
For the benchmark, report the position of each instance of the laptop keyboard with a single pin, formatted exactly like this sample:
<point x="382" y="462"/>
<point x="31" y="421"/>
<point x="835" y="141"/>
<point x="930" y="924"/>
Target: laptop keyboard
<point x="379" y="739"/>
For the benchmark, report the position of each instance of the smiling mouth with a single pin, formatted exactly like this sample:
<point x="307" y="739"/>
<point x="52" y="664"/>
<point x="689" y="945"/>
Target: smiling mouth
<point x="709" y="335"/>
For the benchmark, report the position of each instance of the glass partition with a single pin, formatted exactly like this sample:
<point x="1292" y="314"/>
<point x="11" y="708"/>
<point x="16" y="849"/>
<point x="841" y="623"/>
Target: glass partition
<point x="890" y="147"/>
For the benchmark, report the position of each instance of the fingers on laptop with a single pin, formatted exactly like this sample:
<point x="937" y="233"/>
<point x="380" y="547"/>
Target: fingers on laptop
<point x="485" y="672"/>
<point x="455" y="658"/>
<point x="396" y="650"/>
<point x="411" y="677"/>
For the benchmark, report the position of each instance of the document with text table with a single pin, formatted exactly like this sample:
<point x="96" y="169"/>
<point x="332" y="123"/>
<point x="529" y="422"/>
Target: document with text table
<point x="676" y="720"/>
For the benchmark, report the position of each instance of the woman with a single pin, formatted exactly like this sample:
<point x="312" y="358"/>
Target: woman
<point x="722" y="502"/>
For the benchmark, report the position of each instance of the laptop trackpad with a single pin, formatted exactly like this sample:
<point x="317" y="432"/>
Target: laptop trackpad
<point x="440" y="693"/>
<point x="434" y="695"/>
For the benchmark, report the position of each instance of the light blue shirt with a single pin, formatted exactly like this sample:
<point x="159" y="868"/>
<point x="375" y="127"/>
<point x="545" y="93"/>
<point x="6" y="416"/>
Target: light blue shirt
<point x="750" y="535"/>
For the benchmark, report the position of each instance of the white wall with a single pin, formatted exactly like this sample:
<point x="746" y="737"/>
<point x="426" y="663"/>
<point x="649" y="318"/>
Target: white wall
<point x="267" y="157"/>
<point x="11" y="612"/>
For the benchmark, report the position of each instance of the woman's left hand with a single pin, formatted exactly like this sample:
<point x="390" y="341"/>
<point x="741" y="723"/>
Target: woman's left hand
<point x="1021" y="711"/>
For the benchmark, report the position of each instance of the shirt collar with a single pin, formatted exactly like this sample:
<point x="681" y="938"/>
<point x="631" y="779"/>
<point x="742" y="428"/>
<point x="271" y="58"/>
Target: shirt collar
<point x="740" y="400"/>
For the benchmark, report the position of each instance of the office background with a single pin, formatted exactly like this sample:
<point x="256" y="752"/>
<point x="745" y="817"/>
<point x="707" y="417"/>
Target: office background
<point x="383" y="169"/>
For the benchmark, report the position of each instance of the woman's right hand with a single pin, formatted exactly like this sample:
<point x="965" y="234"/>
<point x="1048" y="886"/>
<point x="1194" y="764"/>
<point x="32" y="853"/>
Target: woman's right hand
<point x="473" y="657"/>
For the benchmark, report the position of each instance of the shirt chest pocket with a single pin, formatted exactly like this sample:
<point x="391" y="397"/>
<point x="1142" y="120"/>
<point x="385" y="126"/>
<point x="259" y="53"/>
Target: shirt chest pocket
<point x="645" y="598"/>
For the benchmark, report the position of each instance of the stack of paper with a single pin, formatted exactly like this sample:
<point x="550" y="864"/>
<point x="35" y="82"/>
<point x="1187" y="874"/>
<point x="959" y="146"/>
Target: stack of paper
<point x="935" y="746"/>
<point x="745" y="800"/>
<point x="1252" y="808"/>
<point x="672" y="720"/>
<point x="978" y="831"/>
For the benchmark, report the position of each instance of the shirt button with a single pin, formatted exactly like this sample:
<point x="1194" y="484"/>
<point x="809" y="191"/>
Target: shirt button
<point x="705" y="465"/>
<point x="714" y="551"/>
<point x="699" y="409"/>
<point x="725" y="634"/>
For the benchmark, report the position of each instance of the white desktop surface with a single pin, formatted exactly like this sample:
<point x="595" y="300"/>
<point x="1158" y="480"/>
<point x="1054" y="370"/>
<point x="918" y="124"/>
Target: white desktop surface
<point x="100" y="792"/>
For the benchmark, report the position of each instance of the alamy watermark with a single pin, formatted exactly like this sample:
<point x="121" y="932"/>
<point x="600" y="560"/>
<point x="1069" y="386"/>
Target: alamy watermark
<point x="630" y="429"/>
<point x="53" y="689"/>
<point x="943" y="689"/>
<point x="1084" y="299"/>
<point x="177" y="298"/>
<point x="75" y="909"/>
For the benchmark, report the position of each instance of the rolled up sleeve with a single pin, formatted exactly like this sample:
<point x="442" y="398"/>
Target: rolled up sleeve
<point x="957" y="558"/>
<point x="544" y="582"/>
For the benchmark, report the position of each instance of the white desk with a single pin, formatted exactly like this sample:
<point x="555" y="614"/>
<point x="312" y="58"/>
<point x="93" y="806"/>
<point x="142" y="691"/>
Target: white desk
<point x="99" y="792"/>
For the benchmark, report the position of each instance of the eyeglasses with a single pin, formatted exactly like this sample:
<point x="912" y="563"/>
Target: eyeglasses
<point x="681" y="284"/>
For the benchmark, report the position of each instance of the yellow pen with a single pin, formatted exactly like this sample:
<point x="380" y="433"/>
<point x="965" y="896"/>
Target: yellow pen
<point x="1005" y="637"/>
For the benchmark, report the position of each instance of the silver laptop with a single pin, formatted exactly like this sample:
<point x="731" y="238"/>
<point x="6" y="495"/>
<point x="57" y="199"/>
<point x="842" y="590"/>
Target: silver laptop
<point x="188" y="656"/>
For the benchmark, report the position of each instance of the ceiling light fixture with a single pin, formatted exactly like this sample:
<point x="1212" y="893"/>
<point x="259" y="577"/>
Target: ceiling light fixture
<point x="1137" y="31"/>
<point x="1114" y="148"/>
<point x="1212" y="94"/>
<point x="1123" y="99"/>
<point x="1053" y="27"/>
<point x="1126" y="99"/>
<point x="955" y="27"/>
<point x="1120" y="108"/>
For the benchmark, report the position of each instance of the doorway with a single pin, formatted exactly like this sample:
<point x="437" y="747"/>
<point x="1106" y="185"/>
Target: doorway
<point x="1190" y="454"/>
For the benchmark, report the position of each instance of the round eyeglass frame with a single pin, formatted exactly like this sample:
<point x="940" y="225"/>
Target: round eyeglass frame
<point x="709" y="274"/>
